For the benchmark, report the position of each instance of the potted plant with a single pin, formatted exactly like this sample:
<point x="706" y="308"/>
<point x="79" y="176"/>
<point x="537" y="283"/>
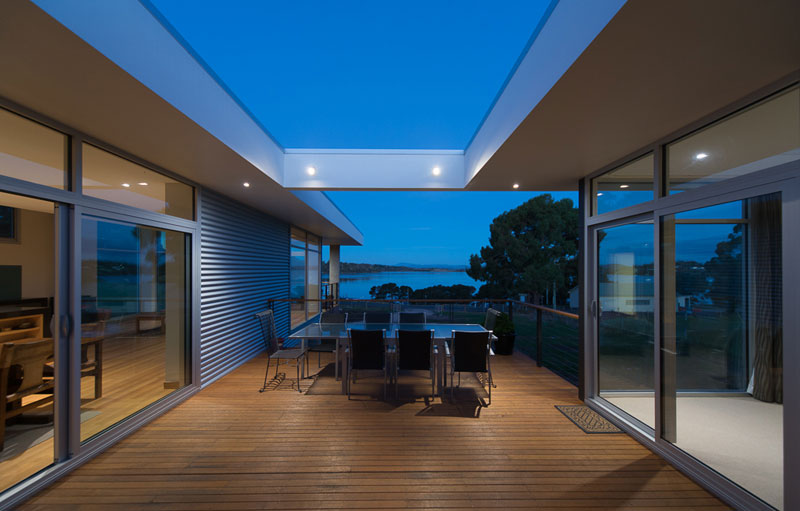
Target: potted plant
<point x="505" y="333"/>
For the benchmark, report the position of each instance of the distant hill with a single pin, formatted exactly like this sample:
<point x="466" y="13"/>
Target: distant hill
<point x="454" y="267"/>
<point x="380" y="268"/>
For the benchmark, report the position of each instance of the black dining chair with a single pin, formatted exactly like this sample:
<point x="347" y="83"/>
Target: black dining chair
<point x="412" y="318"/>
<point x="274" y="347"/>
<point x="355" y="317"/>
<point x="367" y="351"/>
<point x="469" y="352"/>
<point x="377" y="317"/>
<point x="320" y="346"/>
<point x="415" y="353"/>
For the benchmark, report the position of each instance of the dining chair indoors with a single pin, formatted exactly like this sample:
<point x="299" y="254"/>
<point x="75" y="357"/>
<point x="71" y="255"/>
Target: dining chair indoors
<point x="412" y="318"/>
<point x="367" y="351"/>
<point x="469" y="352"/>
<point x="274" y="347"/>
<point x="415" y="353"/>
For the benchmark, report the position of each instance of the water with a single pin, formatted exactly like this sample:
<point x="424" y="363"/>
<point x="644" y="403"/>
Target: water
<point x="357" y="285"/>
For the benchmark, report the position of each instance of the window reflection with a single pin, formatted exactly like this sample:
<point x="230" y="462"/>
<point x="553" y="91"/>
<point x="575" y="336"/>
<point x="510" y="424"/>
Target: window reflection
<point x="134" y="319"/>
<point x="722" y="363"/>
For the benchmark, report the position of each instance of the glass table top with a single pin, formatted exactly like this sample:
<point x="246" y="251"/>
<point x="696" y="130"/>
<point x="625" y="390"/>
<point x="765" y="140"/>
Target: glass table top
<point x="339" y="330"/>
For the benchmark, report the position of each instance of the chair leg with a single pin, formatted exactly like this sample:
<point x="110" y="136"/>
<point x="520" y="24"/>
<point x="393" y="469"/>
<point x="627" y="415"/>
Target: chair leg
<point x="266" y="375"/>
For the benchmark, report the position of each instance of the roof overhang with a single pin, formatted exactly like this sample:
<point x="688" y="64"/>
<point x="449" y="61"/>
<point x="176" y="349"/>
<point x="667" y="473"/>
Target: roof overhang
<point x="148" y="96"/>
<point x="655" y="68"/>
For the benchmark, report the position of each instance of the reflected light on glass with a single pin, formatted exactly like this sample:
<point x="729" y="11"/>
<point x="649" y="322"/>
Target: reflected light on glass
<point x="311" y="171"/>
<point x="623" y="186"/>
<point x="436" y="171"/>
<point x="142" y="183"/>
<point x="516" y="185"/>
<point x="126" y="185"/>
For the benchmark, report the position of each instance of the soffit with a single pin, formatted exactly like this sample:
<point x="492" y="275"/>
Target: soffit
<point x="655" y="68"/>
<point x="50" y="70"/>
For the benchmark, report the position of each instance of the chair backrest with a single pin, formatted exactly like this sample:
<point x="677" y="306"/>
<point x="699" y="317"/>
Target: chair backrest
<point x="414" y="349"/>
<point x="377" y="317"/>
<point x="491" y="319"/>
<point x="30" y="358"/>
<point x="367" y="349"/>
<point x="470" y="351"/>
<point x="333" y="317"/>
<point x="267" y="321"/>
<point x="412" y="317"/>
<point x="355" y="317"/>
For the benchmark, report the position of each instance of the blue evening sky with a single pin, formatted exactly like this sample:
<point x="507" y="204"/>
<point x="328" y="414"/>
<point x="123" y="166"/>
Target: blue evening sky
<point x="416" y="74"/>
<point x="425" y="227"/>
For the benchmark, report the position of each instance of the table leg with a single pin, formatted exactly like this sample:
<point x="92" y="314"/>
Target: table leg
<point x="98" y="370"/>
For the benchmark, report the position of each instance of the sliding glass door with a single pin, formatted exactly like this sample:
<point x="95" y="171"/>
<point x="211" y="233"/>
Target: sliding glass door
<point x="134" y="319"/>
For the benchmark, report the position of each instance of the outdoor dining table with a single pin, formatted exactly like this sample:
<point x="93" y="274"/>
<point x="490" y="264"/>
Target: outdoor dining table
<point x="338" y="332"/>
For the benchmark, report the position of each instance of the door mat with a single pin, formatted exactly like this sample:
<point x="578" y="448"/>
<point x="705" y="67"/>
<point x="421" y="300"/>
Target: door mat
<point x="587" y="419"/>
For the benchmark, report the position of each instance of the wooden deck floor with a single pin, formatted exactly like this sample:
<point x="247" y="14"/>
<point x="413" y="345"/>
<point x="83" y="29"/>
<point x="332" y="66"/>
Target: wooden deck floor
<point x="230" y="447"/>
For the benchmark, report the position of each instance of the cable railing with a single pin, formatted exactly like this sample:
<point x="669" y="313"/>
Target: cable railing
<point x="547" y="335"/>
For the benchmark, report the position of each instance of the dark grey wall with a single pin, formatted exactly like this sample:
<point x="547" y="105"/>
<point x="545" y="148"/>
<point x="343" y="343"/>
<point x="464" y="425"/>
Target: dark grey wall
<point x="244" y="262"/>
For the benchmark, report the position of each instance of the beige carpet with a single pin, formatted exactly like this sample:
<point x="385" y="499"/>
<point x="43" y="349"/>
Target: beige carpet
<point x="739" y="437"/>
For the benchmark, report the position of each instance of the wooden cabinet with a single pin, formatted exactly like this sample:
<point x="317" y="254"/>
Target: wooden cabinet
<point x="22" y="327"/>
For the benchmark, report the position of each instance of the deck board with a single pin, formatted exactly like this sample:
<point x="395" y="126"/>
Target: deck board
<point x="230" y="447"/>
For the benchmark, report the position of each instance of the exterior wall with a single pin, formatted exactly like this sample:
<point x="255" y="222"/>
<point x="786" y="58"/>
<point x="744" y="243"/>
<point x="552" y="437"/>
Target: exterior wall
<point x="244" y="262"/>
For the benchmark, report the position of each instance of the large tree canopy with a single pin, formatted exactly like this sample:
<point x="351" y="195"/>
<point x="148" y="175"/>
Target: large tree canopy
<point x="530" y="248"/>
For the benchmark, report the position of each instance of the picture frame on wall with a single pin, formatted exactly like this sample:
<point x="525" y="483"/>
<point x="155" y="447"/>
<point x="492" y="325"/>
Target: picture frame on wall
<point x="9" y="229"/>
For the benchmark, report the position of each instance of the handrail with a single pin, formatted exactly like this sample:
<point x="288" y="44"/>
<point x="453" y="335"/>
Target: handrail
<point x="546" y="309"/>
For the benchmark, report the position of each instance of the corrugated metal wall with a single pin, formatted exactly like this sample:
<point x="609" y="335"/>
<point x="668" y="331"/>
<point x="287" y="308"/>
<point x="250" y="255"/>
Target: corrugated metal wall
<point x="244" y="261"/>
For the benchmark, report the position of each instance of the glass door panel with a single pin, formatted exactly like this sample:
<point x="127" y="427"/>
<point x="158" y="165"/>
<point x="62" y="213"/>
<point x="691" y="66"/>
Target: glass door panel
<point x="134" y="319"/>
<point x="722" y="342"/>
<point x="625" y="325"/>
<point x="27" y="349"/>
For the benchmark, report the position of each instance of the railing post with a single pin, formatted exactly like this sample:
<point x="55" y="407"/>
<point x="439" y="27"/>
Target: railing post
<point x="511" y="310"/>
<point x="539" y="338"/>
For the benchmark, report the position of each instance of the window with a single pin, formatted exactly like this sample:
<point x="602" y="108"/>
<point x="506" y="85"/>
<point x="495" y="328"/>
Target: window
<point x="135" y="332"/>
<point x="107" y="176"/>
<point x="722" y="340"/>
<point x="32" y="152"/>
<point x="759" y="137"/>
<point x="304" y="276"/>
<point x="624" y="186"/>
<point x="625" y="322"/>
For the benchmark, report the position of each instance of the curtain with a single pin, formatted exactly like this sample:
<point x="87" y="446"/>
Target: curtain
<point x="765" y="232"/>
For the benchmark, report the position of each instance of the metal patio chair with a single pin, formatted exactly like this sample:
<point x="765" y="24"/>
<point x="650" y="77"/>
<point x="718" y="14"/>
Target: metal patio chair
<point x="367" y="351"/>
<point x="377" y="317"/>
<point x="408" y="318"/>
<point x="321" y="346"/>
<point x="415" y="353"/>
<point x="275" y="349"/>
<point x="470" y="352"/>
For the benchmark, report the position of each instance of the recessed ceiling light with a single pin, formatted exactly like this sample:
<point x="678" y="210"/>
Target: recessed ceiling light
<point x="515" y="186"/>
<point x="142" y="183"/>
<point x="623" y="186"/>
<point x="126" y="185"/>
<point x="599" y="194"/>
<point x="700" y="156"/>
<point x="246" y="184"/>
<point x="311" y="171"/>
<point x="436" y="171"/>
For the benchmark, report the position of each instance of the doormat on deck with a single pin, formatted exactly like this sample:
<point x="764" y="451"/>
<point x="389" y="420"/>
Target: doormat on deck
<point x="587" y="419"/>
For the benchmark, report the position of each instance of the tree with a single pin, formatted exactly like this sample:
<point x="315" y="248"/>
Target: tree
<point x="454" y="292"/>
<point x="725" y="272"/>
<point x="390" y="291"/>
<point x="530" y="247"/>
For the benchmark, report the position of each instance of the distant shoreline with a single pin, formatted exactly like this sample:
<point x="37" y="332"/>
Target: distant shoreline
<point x="355" y="268"/>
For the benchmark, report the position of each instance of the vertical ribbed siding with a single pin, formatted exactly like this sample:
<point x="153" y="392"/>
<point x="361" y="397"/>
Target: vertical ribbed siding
<point x="244" y="262"/>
